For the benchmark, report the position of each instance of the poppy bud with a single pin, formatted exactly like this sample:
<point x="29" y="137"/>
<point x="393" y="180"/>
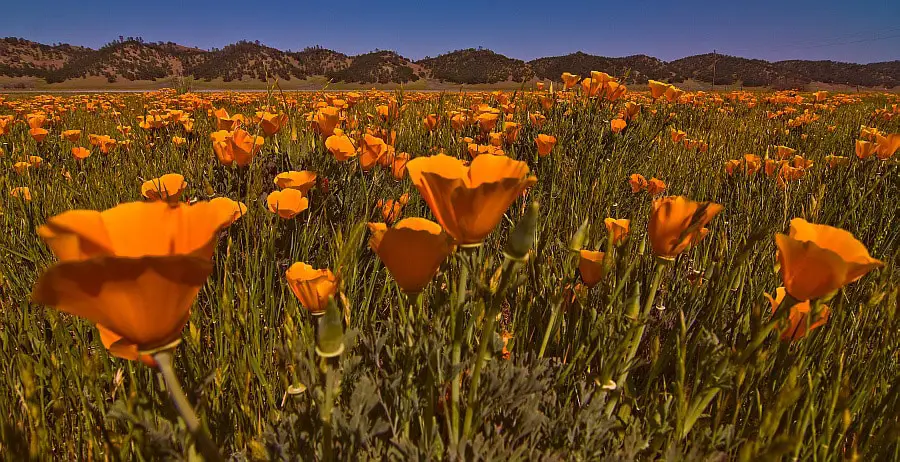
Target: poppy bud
<point x="331" y="332"/>
<point x="578" y="239"/>
<point x="522" y="236"/>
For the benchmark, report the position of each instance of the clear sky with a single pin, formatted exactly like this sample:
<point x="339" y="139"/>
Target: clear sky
<point x="856" y="31"/>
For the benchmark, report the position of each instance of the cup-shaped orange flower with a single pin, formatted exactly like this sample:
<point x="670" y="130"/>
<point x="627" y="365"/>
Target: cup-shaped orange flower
<point x="301" y="181"/>
<point x="569" y="80"/>
<point x="886" y="146"/>
<point x="412" y="250"/>
<point x="165" y="188"/>
<point x="798" y="324"/>
<point x="637" y="182"/>
<point x="618" y="229"/>
<point x="287" y="203"/>
<point x="135" y="269"/>
<point x="341" y="147"/>
<point x="80" y="153"/>
<point x="245" y="146"/>
<point x="71" y="135"/>
<point x="658" y="89"/>
<point x="677" y="223"/>
<point x="311" y="286"/>
<point x="38" y="134"/>
<point x="816" y="260"/>
<point x="656" y="186"/>
<point x="470" y="201"/>
<point x="617" y="125"/>
<point x="590" y="265"/>
<point x="272" y="123"/>
<point x="545" y="144"/>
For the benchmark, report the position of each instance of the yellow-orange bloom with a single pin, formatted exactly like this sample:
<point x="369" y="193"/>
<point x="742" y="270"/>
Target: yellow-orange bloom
<point x="272" y="123"/>
<point x="135" y="269"/>
<point x="71" y="135"/>
<point x="301" y="181"/>
<point x="311" y="286"/>
<point x="412" y="250"/>
<point x="618" y="229"/>
<point x="469" y="202"/>
<point x="165" y="188"/>
<point x="569" y="80"/>
<point x="816" y="260"/>
<point x="886" y="146"/>
<point x="617" y="125"/>
<point x="545" y="144"/>
<point x="245" y="146"/>
<point x="637" y="182"/>
<point x="658" y="89"/>
<point x="797" y="325"/>
<point x="341" y="147"/>
<point x="677" y="223"/>
<point x="590" y="265"/>
<point x="655" y="186"/>
<point x="80" y="153"/>
<point x="287" y="203"/>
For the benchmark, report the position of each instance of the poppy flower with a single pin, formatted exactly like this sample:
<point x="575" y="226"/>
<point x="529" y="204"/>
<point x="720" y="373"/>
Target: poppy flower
<point x="326" y="120"/>
<point x="731" y="166"/>
<point x="245" y="146"/>
<point x="655" y="186"/>
<point x="835" y="161"/>
<point x="226" y="122"/>
<point x="287" y="203"/>
<point x="631" y="110"/>
<point x="678" y="135"/>
<point x="341" y="147"/>
<point x="469" y="202"/>
<point x="590" y="265"/>
<point x="311" y="286"/>
<point x="71" y="135"/>
<point x="569" y="80"/>
<point x="537" y="119"/>
<point x="797" y="325"/>
<point x="412" y="250"/>
<point x="398" y="166"/>
<point x="238" y="209"/>
<point x="658" y="89"/>
<point x="673" y="93"/>
<point x="431" y="122"/>
<point x="222" y="147"/>
<point x="272" y="123"/>
<point x="38" y="134"/>
<point x="487" y="120"/>
<point x="178" y="141"/>
<point x="886" y="146"/>
<point x="752" y="164"/>
<point x="784" y="152"/>
<point x="120" y="347"/>
<point x="21" y="192"/>
<point x="816" y="260"/>
<point x="372" y="150"/>
<point x="80" y="153"/>
<point x="617" y="125"/>
<point x="301" y="181"/>
<point x="618" y="229"/>
<point x="21" y="167"/>
<point x="545" y="144"/>
<point x="135" y="269"/>
<point x="677" y="223"/>
<point x="166" y="188"/>
<point x="637" y="182"/>
<point x="392" y="209"/>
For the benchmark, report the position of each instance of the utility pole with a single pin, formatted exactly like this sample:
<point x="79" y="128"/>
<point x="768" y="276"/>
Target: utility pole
<point x="715" y="58"/>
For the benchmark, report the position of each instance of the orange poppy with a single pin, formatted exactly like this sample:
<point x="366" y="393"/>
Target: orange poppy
<point x="272" y="123"/>
<point x="431" y="122"/>
<point x="617" y="125"/>
<point x="590" y="265"/>
<point x="816" y="260"/>
<point x="311" y="286"/>
<point x="80" y="153"/>
<point x="469" y="202"/>
<point x="835" y="161"/>
<point x="165" y="188"/>
<point x="545" y="144"/>
<point x="797" y="325"/>
<point x="71" y="135"/>
<point x="120" y="347"/>
<point x="569" y="80"/>
<point x="21" y="192"/>
<point x="398" y="167"/>
<point x="245" y="146"/>
<point x="731" y="166"/>
<point x="677" y="223"/>
<point x="326" y="120"/>
<point x="618" y="229"/>
<point x="784" y="152"/>
<point x="752" y="164"/>
<point x="238" y="209"/>
<point x="341" y="147"/>
<point x="655" y="186"/>
<point x="886" y="146"/>
<point x="222" y="147"/>
<point x="658" y="89"/>
<point x="287" y="203"/>
<point x="135" y="269"/>
<point x="226" y="122"/>
<point x="678" y="135"/>
<point x="372" y="149"/>
<point x="38" y="134"/>
<point x="301" y="181"/>
<point x="412" y="250"/>
<point x="637" y="182"/>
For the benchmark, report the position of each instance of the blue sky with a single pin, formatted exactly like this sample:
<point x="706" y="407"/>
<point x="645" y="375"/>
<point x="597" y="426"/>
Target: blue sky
<point x="860" y="31"/>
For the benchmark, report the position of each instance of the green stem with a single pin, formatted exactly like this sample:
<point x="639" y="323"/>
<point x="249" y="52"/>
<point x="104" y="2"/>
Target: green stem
<point x="327" y="438"/>
<point x="549" y="330"/>
<point x="456" y="323"/>
<point x="204" y="443"/>
<point x="634" y="341"/>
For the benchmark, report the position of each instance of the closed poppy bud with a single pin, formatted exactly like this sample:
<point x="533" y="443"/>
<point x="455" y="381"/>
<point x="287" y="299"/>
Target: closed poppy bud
<point x="590" y="265"/>
<point x="469" y="202"/>
<point x="797" y="325"/>
<point x="618" y="229"/>
<point x="301" y="181"/>
<point x="545" y="144"/>
<point x="341" y="147"/>
<point x="816" y="260"/>
<point x="677" y="223"/>
<point x="311" y="286"/>
<point x="617" y="125"/>
<point x="521" y="238"/>
<point x="637" y="182"/>
<point x="330" y="341"/>
<point x="165" y="188"/>
<point x="80" y="153"/>
<point x="412" y="250"/>
<point x="287" y="203"/>
<point x="655" y="186"/>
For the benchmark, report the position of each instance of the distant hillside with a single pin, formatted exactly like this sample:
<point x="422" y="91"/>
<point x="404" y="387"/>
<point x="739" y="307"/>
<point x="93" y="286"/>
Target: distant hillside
<point x="476" y="66"/>
<point x="131" y="59"/>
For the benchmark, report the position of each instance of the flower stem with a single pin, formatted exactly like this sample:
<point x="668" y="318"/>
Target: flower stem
<point x="327" y="437"/>
<point x="456" y="324"/>
<point x="204" y="443"/>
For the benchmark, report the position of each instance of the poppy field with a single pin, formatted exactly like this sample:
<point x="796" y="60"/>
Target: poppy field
<point x="572" y="271"/>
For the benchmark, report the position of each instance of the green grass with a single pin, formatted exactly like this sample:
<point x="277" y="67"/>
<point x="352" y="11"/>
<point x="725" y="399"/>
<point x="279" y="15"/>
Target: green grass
<point x="696" y="389"/>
